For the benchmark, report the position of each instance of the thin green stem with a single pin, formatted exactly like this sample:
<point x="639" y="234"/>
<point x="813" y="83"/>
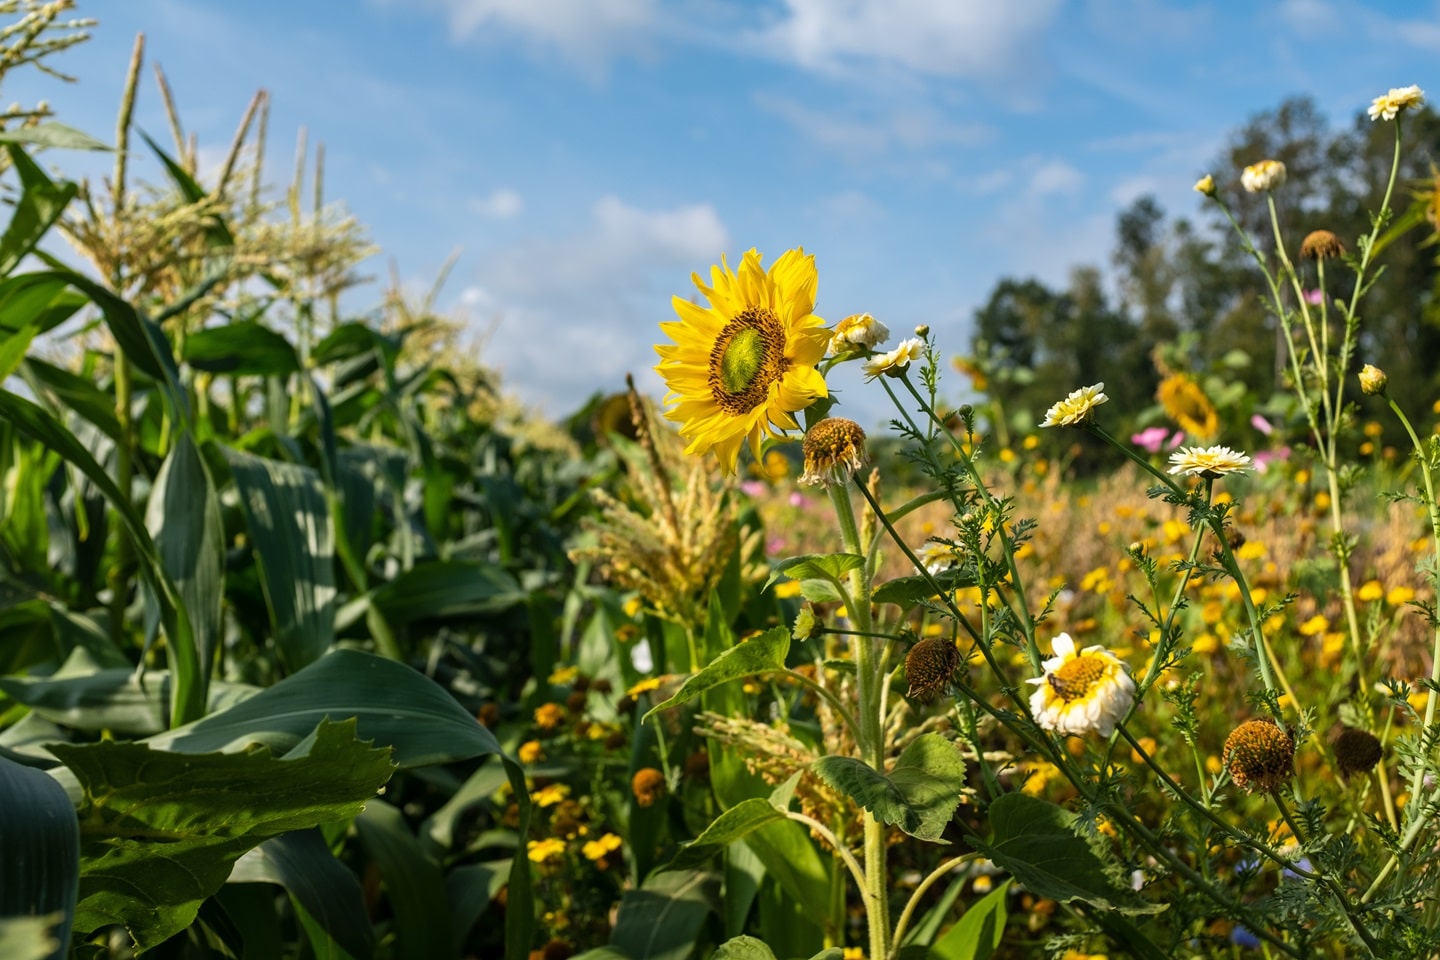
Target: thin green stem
<point x="914" y="901"/>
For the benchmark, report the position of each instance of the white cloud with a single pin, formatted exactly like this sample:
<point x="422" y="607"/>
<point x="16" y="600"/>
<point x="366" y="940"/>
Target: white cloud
<point x="1055" y="176"/>
<point x="574" y="314"/>
<point x="913" y="128"/>
<point x="1310" y="17"/>
<point x="499" y="205"/>
<point x="963" y="39"/>
<point x="587" y="32"/>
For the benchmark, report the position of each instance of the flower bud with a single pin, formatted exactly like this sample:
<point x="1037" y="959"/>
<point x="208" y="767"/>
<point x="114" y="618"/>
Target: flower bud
<point x="922" y="331"/>
<point x="1205" y="185"/>
<point x="1372" y="380"/>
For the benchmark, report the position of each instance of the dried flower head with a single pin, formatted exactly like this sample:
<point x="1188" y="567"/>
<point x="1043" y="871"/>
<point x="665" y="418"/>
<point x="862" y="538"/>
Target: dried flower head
<point x="1210" y="462"/>
<point x="860" y="331"/>
<point x="648" y="785"/>
<point x="1372" y="380"/>
<point x="834" y="449"/>
<point x="1356" y="751"/>
<point x="1388" y="106"/>
<point x="1206" y="185"/>
<point x="1259" y="755"/>
<point x="1321" y="245"/>
<point x="929" y="666"/>
<point x="1077" y="409"/>
<point x="1082" y="690"/>
<point x="1263" y="176"/>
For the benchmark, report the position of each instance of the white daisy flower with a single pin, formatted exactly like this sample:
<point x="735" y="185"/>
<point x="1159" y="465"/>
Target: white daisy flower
<point x="1262" y="176"/>
<point x="896" y="360"/>
<point x="1387" y="107"/>
<point x="1076" y="409"/>
<point x="1081" y="691"/>
<point x="1209" y="462"/>
<point x="859" y="330"/>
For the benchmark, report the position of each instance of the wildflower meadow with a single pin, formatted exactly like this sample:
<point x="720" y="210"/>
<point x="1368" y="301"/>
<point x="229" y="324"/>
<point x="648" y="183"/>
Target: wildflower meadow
<point x="1119" y="639"/>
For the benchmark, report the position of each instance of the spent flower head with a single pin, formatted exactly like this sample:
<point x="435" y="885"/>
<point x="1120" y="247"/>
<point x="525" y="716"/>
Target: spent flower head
<point x="1209" y="462"/>
<point x="891" y="364"/>
<point x="1260" y="755"/>
<point x="858" y="330"/>
<point x="1321" y="245"/>
<point x="1082" y="690"/>
<point x="1262" y="176"/>
<point x="1388" y="106"/>
<point x="1077" y="409"/>
<point x="834" y="449"/>
<point x="929" y="666"/>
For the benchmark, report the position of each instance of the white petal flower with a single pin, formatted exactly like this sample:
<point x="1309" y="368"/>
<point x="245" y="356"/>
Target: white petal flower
<point x="1388" y="106"/>
<point x="860" y="330"/>
<point x="1084" y="691"/>
<point x="1076" y="409"/>
<point x="896" y="360"/>
<point x="1208" y="461"/>
<point x="1262" y="176"/>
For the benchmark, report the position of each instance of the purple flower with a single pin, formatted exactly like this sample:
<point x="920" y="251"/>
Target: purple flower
<point x="752" y="488"/>
<point x="1242" y="937"/>
<point x="1263" y="459"/>
<point x="1150" y="439"/>
<point x="797" y="499"/>
<point x="1261" y="424"/>
<point x="1315" y="297"/>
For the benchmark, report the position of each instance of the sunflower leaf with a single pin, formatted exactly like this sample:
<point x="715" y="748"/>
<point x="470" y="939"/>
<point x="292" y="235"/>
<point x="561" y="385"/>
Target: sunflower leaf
<point x="760" y="654"/>
<point x="816" y="566"/>
<point x="919" y="795"/>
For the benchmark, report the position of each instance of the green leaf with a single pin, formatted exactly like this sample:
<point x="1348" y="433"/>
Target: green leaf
<point x="82" y="697"/>
<point x="920" y="794"/>
<point x="413" y="883"/>
<point x="216" y="233"/>
<point x="742" y="948"/>
<point x="246" y="349"/>
<point x="290" y="528"/>
<point x="39" y="300"/>
<point x="303" y="865"/>
<point x="41" y="203"/>
<point x="816" y="566"/>
<point x="76" y="393"/>
<point x="979" y="931"/>
<point x="394" y="705"/>
<point x="161" y="831"/>
<point x="48" y="133"/>
<point x="446" y="588"/>
<point x="663" y="919"/>
<point x="1037" y="842"/>
<point x="183" y="515"/>
<point x="188" y="692"/>
<point x="734" y="824"/>
<point x="760" y="654"/>
<point x="470" y="889"/>
<point x="906" y="592"/>
<point x="41" y="864"/>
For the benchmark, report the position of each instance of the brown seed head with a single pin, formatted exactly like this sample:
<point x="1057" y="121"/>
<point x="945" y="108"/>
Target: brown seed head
<point x="1259" y="755"/>
<point x="834" y="449"/>
<point x="648" y="785"/>
<point x="1321" y="245"/>
<point x="929" y="666"/>
<point x="1356" y="751"/>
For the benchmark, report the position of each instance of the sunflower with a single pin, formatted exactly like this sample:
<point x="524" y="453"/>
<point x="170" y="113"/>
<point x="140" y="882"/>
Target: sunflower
<point x="1187" y="405"/>
<point x="741" y="367"/>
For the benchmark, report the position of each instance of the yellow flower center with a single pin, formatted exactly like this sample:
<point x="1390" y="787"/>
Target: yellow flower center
<point x="748" y="356"/>
<point x="1075" y="677"/>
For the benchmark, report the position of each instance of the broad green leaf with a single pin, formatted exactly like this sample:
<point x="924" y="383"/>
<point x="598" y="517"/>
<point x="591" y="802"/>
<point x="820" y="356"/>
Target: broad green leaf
<point x="760" y="654"/>
<point x="906" y="592"/>
<point x="1037" y="842"/>
<point x="924" y="930"/>
<point x="246" y="349"/>
<point x="161" y="831"/>
<point x="978" y="932"/>
<point x="470" y="889"/>
<point x="31" y="938"/>
<point x="394" y="705"/>
<point x="438" y="830"/>
<point x="294" y="542"/>
<point x="663" y="919"/>
<point x="188" y="693"/>
<point x="251" y="909"/>
<point x="48" y="133"/>
<point x="39" y="300"/>
<point x="183" y="515"/>
<point x="734" y="824"/>
<point x="919" y="795"/>
<point x="40" y="867"/>
<point x="75" y="393"/>
<point x="41" y="203"/>
<point x="413" y="883"/>
<point x="303" y="865"/>
<point x="742" y="948"/>
<point x="13" y="349"/>
<point x="816" y="566"/>
<point x="446" y="588"/>
<point x="744" y="872"/>
<point x="118" y="700"/>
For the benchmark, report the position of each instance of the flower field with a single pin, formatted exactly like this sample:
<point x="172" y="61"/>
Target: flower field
<point x="315" y="645"/>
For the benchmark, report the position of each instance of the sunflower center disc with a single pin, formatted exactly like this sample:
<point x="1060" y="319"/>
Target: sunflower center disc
<point x="1075" y="678"/>
<point x="742" y="359"/>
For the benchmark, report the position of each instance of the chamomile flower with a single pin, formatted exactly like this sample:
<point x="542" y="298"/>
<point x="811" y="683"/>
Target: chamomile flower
<point x="1209" y="462"/>
<point x="1388" y="106"/>
<point x="1076" y="409"/>
<point x="896" y="360"/>
<point x="1262" y="176"/>
<point x="1081" y="691"/>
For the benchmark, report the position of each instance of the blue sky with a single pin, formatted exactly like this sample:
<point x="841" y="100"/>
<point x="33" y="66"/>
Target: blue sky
<point x="586" y="156"/>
